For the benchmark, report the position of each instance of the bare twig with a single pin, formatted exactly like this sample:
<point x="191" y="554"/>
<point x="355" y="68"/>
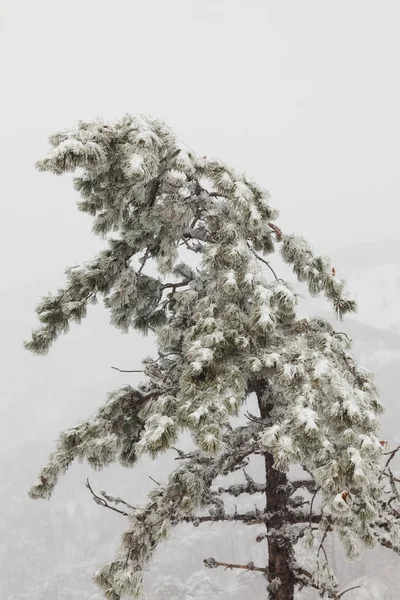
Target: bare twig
<point x="103" y="502"/>
<point x="321" y="546"/>
<point x="156" y="482"/>
<point x="260" y="258"/>
<point x="117" y="500"/>
<point x="186" y="243"/>
<point x="181" y="453"/>
<point x="355" y="587"/>
<point x="128" y="370"/>
<point x="392" y="453"/>
<point x="254" y="419"/>
<point x="342" y="333"/>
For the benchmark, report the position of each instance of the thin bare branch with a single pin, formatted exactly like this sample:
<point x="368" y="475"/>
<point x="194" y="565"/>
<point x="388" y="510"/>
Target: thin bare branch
<point x="254" y="419"/>
<point x="103" y="502"/>
<point x="128" y="370"/>
<point x="211" y="563"/>
<point x="392" y="454"/>
<point x="343" y="333"/>
<point x="156" y="482"/>
<point x="261" y="259"/>
<point x="181" y="453"/>
<point x="355" y="587"/>
<point x="117" y="500"/>
<point x="321" y="545"/>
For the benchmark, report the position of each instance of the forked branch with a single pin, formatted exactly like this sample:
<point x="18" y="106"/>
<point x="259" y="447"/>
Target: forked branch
<point x="103" y="502"/>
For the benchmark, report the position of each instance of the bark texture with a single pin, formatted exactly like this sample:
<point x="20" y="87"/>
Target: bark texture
<point x="280" y="547"/>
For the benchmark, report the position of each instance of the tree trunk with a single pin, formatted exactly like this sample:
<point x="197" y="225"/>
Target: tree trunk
<point x="280" y="547"/>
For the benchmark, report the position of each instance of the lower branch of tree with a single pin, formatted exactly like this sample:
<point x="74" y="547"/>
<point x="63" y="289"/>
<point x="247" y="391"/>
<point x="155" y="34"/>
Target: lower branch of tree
<point x="247" y="518"/>
<point x="211" y="563"/>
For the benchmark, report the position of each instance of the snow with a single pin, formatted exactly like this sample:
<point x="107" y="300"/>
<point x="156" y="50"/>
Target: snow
<point x="243" y="191"/>
<point x="265" y="319"/>
<point x="136" y="164"/>
<point x="230" y="279"/>
<point x="307" y="417"/>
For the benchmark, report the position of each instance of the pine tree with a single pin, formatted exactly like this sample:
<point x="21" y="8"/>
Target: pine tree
<point x="225" y="328"/>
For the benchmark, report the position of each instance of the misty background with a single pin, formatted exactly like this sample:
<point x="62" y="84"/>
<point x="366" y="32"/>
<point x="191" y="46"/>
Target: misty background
<point x="304" y="97"/>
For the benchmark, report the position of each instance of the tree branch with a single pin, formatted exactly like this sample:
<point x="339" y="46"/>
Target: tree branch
<point x="255" y="420"/>
<point x="307" y="484"/>
<point x="355" y="587"/>
<point x="116" y="500"/>
<point x="178" y="284"/>
<point x="182" y="455"/>
<point x="103" y="502"/>
<point x="156" y="482"/>
<point x="392" y="454"/>
<point x="211" y="563"/>
<point x="260" y="258"/>
<point x="243" y="488"/>
<point x="128" y="370"/>
<point x="321" y="546"/>
<point x="248" y="518"/>
<point x="144" y="260"/>
<point x="312" y="502"/>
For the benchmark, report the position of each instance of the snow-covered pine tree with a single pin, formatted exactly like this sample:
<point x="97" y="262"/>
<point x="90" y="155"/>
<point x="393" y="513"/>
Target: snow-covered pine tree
<point x="225" y="328"/>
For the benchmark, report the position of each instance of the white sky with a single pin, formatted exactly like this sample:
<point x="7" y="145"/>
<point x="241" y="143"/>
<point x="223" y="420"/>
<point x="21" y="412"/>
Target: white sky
<point x="303" y="95"/>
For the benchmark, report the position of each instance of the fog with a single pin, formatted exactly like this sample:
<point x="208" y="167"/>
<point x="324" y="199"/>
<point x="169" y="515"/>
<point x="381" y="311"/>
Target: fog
<point x="303" y="96"/>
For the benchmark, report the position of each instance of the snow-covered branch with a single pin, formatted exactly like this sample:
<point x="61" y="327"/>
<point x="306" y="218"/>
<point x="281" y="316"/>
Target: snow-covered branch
<point x="211" y="563"/>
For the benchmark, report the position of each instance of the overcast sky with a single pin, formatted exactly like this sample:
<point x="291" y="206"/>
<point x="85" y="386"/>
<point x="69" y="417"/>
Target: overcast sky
<point x="303" y="95"/>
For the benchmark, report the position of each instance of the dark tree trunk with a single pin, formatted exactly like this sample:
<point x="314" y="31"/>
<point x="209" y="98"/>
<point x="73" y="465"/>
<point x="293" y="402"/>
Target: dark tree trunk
<point x="280" y="548"/>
